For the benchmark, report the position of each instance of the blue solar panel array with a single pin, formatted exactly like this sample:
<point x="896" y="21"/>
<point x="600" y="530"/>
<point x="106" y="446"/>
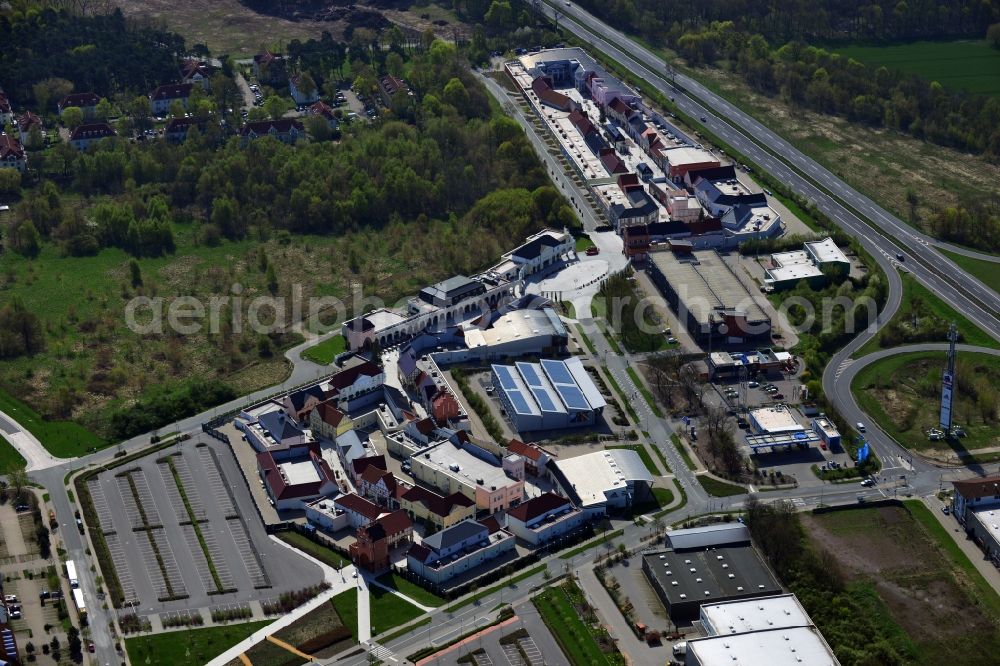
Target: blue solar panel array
<point x="573" y="397"/>
<point x="557" y="372"/>
<point x="518" y="401"/>
<point x="544" y="400"/>
<point x="505" y="377"/>
<point x="531" y="377"/>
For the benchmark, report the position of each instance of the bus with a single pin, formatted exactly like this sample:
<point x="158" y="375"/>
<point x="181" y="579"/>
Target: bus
<point x="71" y="574"/>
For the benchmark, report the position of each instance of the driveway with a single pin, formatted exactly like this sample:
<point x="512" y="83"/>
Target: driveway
<point x="26" y="444"/>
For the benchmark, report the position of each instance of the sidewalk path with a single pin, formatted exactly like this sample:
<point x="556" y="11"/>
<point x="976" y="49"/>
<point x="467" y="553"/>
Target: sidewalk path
<point x="26" y="444"/>
<point x="364" y="611"/>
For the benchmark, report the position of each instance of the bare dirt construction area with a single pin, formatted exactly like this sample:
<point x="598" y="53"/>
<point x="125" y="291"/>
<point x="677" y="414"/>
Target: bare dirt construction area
<point x="226" y="26"/>
<point x="933" y="603"/>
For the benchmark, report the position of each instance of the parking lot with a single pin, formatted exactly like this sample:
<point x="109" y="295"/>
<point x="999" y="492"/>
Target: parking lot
<point x="183" y="532"/>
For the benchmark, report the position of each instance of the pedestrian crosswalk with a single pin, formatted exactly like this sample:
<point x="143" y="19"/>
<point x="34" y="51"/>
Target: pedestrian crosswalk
<point x="382" y="653"/>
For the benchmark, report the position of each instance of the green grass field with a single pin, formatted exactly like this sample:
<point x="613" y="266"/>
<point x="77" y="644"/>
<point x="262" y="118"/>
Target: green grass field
<point x="575" y="637"/>
<point x="389" y="611"/>
<point x="412" y="590"/>
<point x="900" y="394"/>
<point x="718" y="488"/>
<point x="326" y="351"/>
<point x="9" y="457"/>
<point x="346" y="604"/>
<point x="970" y="65"/>
<point x="64" y="439"/>
<point x="198" y="646"/>
<point x="325" y="555"/>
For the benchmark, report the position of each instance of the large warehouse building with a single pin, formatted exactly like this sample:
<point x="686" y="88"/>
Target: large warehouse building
<point x="602" y="481"/>
<point x="706" y="566"/>
<point x="549" y="395"/>
<point x="775" y="631"/>
<point x="708" y="297"/>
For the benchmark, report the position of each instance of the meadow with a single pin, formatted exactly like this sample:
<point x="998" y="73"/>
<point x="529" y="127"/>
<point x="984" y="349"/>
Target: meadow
<point x="970" y="65"/>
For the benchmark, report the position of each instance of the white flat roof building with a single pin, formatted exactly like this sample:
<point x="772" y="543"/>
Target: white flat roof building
<point x="989" y="520"/>
<point x="299" y="471"/>
<point x="744" y="616"/>
<point x="796" y="646"/>
<point x="528" y="329"/>
<point x="601" y="479"/>
<point x="774" y="420"/>
<point x="685" y="155"/>
<point x="825" y="251"/>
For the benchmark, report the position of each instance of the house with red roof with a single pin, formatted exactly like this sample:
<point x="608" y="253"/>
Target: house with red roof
<point x="359" y="510"/>
<point x="163" y="97"/>
<point x="542" y="87"/>
<point x="26" y="122"/>
<point x="12" y="154"/>
<point x="380" y="486"/>
<point x="535" y="459"/>
<point x="270" y="68"/>
<point x="6" y="110"/>
<point x="84" y="135"/>
<point x="285" y="130"/>
<point x="197" y="72"/>
<point x="544" y="519"/>
<point x="439" y="510"/>
<point x="376" y="540"/>
<point x="391" y="88"/>
<point x="85" y="101"/>
<point x="326" y="112"/>
<point x="295" y="476"/>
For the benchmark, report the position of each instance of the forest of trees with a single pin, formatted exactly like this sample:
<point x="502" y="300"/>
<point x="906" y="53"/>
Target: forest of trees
<point x="104" y="54"/>
<point x="815" y="20"/>
<point x="974" y="225"/>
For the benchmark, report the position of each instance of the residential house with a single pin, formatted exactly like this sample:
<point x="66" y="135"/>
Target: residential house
<point x="379" y="486"/>
<point x="298" y="404"/>
<point x="12" y="154"/>
<point x="164" y="96"/>
<point x="542" y="87"/>
<point x="640" y="209"/>
<point x="86" y="102"/>
<point x="588" y="130"/>
<point x="544" y="519"/>
<point x="439" y="510"/>
<point x="269" y="68"/>
<point x="619" y="111"/>
<point x="295" y="476"/>
<point x="391" y="88"/>
<point x="535" y="459"/>
<point x="349" y="448"/>
<point x="84" y="135"/>
<point x="357" y="380"/>
<point x="457" y="549"/>
<point x="359" y="511"/>
<point x="445" y="407"/>
<point x="302" y="89"/>
<point x="196" y="72"/>
<point x="176" y="129"/>
<point x="285" y="130"/>
<point x="614" y="164"/>
<point x="359" y="465"/>
<point x="542" y="250"/>
<point x="25" y="122"/>
<point x="6" y="111"/>
<point x="374" y="541"/>
<point x="326" y="112"/>
<point x="328" y="421"/>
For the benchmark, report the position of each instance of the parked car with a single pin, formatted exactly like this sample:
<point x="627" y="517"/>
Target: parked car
<point x="672" y="340"/>
<point x="10" y="598"/>
<point x="753" y="384"/>
<point x="777" y="396"/>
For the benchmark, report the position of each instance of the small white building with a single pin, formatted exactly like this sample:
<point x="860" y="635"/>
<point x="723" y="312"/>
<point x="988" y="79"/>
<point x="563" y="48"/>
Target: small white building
<point x="457" y="549"/>
<point x="323" y="513"/>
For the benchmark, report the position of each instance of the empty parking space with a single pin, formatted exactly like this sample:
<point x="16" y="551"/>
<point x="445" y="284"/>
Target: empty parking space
<point x="100" y="502"/>
<point x="150" y="565"/>
<point x="173" y="494"/>
<point x="145" y="498"/>
<point x="513" y="656"/>
<point x="190" y="488"/>
<point x="251" y="560"/>
<point x="128" y="503"/>
<point x="531" y="651"/>
<point x="215" y="482"/>
<point x="170" y="567"/>
<point x="121" y="567"/>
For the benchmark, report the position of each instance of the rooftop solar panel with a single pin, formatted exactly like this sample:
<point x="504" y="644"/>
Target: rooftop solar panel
<point x="519" y="403"/>
<point x="545" y="400"/>
<point x="529" y="373"/>
<point x="506" y="380"/>
<point x="573" y="397"/>
<point x="557" y="372"/>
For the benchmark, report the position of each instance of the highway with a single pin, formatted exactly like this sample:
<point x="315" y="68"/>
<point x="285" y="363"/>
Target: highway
<point x="881" y="234"/>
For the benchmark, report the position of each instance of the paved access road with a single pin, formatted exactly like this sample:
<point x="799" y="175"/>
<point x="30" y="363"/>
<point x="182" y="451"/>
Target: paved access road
<point x="775" y="155"/>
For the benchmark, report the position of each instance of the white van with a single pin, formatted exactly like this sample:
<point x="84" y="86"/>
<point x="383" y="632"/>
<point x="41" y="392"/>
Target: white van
<point x="860" y="426"/>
